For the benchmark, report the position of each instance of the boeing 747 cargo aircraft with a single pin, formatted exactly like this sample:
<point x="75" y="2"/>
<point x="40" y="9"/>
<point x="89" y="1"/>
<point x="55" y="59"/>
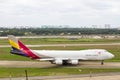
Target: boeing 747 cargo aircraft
<point x="58" y="56"/>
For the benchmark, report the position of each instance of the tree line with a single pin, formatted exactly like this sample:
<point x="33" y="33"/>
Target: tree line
<point x="56" y="31"/>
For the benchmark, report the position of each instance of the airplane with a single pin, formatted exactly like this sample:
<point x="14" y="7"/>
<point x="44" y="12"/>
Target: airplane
<point x="59" y="57"/>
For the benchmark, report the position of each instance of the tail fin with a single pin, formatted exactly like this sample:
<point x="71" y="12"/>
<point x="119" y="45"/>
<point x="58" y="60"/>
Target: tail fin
<point x="20" y="49"/>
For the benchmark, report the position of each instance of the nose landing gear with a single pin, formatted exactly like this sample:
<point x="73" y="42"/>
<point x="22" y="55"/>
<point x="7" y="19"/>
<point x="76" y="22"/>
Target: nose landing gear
<point x="102" y="62"/>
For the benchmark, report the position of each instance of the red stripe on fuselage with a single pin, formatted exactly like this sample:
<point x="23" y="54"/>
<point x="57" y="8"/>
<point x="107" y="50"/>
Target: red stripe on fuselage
<point x="27" y="51"/>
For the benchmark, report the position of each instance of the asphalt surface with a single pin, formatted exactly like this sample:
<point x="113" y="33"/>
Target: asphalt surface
<point x="82" y="64"/>
<point x="41" y="45"/>
<point x="37" y="64"/>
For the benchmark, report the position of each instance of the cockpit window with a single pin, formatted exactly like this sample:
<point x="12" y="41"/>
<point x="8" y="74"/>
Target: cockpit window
<point x="105" y="51"/>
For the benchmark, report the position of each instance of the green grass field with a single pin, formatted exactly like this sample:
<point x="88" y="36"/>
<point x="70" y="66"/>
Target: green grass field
<point x="20" y="72"/>
<point x="5" y="52"/>
<point x="59" y="41"/>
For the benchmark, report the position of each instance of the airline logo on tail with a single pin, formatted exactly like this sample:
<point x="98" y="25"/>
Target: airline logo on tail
<point x="20" y="49"/>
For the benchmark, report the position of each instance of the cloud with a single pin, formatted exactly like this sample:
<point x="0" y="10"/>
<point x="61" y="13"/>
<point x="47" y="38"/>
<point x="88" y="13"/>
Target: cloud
<point x="73" y="12"/>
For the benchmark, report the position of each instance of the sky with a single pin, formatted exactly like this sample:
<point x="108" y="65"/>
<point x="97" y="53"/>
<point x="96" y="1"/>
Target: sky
<point x="59" y="12"/>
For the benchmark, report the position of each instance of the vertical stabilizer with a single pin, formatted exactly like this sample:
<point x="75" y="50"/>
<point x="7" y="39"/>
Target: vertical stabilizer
<point x="20" y="49"/>
<point x="13" y="41"/>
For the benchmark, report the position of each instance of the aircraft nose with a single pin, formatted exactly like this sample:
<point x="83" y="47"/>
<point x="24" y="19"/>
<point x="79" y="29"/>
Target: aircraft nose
<point x="111" y="55"/>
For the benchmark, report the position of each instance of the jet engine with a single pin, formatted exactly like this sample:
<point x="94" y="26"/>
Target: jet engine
<point x="59" y="62"/>
<point x="74" y="62"/>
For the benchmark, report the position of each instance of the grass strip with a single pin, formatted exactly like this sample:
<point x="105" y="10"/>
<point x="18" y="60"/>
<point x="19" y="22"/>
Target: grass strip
<point x="20" y="72"/>
<point x="60" y="41"/>
<point x="5" y="52"/>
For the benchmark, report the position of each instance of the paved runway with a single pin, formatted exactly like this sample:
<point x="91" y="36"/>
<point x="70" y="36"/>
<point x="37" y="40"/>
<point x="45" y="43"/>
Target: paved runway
<point x="41" y="45"/>
<point x="83" y="64"/>
<point x="37" y="64"/>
